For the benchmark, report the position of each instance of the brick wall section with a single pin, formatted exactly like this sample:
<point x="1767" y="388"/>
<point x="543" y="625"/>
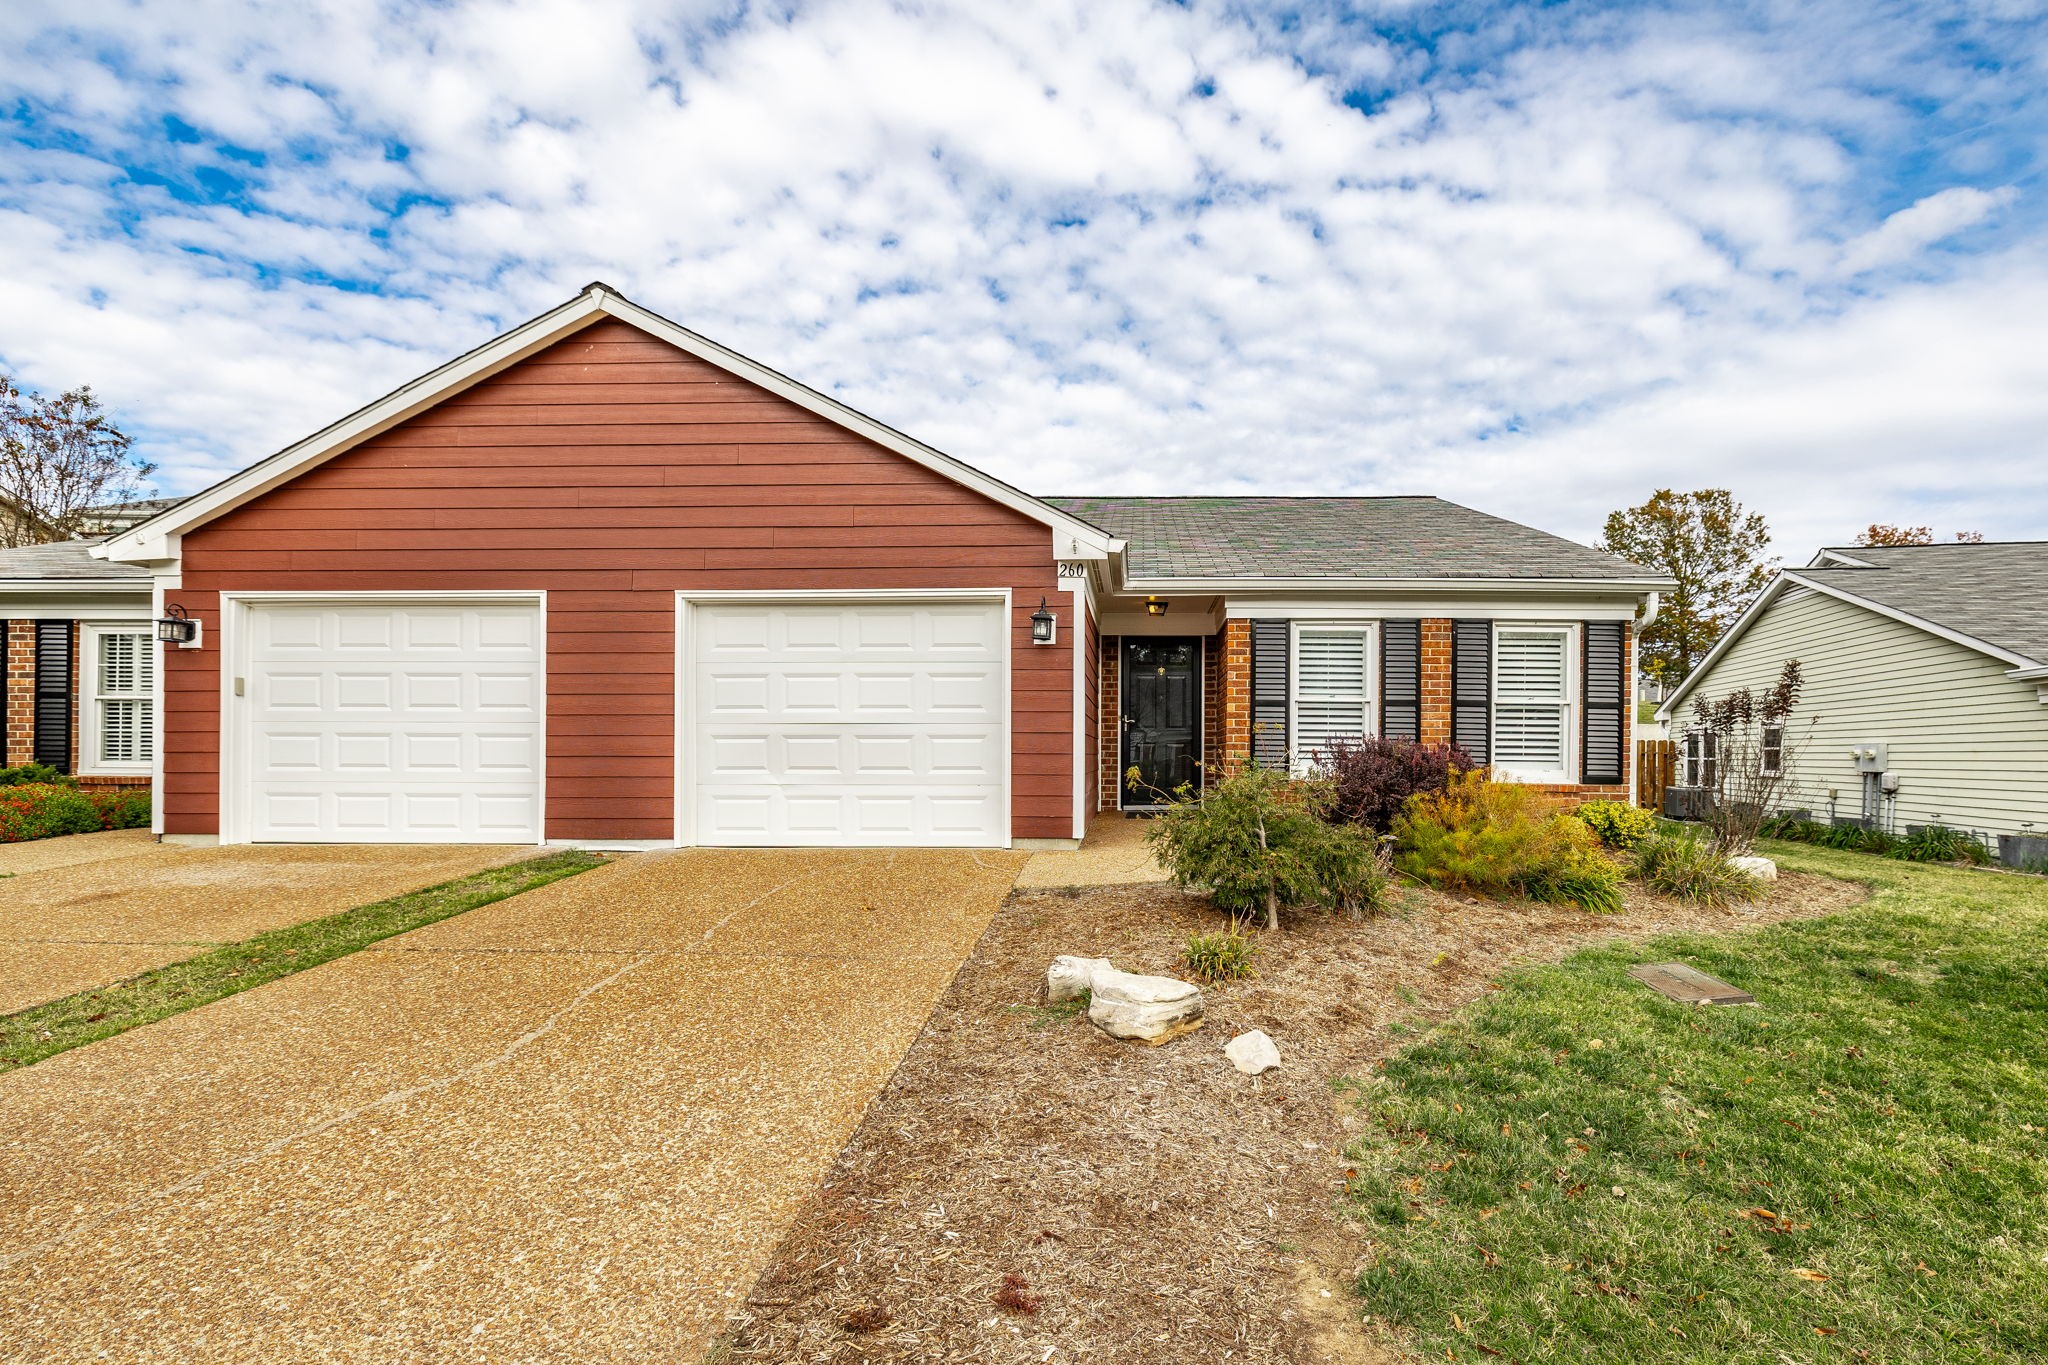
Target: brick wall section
<point x="1436" y="681"/>
<point x="1235" y="742"/>
<point x="1109" y="760"/>
<point x="20" y="739"/>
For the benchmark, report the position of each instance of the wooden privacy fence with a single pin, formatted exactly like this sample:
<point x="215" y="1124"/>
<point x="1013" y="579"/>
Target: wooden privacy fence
<point x="1656" y="769"/>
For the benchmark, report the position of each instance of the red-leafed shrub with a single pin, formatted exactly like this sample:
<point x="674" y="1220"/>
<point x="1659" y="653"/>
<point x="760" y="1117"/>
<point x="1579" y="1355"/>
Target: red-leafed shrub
<point x="1375" y="777"/>
<point x="45" y="810"/>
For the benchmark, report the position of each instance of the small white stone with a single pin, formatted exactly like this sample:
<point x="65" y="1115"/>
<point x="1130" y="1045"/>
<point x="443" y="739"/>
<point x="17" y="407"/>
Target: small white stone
<point x="1144" y="1009"/>
<point x="1069" y="977"/>
<point x="1763" y="869"/>
<point x="1252" y="1052"/>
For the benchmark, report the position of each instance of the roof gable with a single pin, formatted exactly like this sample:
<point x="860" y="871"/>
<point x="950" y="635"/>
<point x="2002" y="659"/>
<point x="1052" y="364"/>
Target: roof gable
<point x="157" y="538"/>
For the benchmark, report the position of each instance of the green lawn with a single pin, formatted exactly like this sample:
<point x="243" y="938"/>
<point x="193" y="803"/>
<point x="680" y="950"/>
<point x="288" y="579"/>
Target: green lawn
<point x="47" y="1029"/>
<point x="1579" y="1170"/>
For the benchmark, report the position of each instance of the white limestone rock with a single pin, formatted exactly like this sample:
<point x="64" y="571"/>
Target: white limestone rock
<point x="1144" y="1009"/>
<point x="1070" y="976"/>
<point x="1763" y="869"/>
<point x="1252" y="1052"/>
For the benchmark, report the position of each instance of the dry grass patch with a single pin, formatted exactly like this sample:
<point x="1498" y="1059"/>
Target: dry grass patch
<point x="1157" y="1204"/>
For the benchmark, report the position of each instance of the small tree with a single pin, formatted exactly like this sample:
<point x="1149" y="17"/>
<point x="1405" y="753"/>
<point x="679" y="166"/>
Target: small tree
<point x="1259" y="840"/>
<point x="1374" y="778"/>
<point x="1880" y="533"/>
<point x="1749" y="736"/>
<point x="59" y="456"/>
<point x="1713" y="548"/>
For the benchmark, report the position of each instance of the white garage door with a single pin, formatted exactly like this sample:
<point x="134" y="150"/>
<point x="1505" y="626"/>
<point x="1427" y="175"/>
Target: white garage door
<point x="847" y="724"/>
<point x="392" y="724"/>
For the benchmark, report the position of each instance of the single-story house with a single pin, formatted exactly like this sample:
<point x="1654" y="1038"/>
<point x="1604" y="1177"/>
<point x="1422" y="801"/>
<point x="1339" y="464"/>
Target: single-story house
<point x="81" y="657"/>
<point x="1926" y="685"/>
<point x="603" y="580"/>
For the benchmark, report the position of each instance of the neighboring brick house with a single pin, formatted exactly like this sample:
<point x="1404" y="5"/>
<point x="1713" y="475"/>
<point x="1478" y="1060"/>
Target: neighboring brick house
<point x="603" y="580"/>
<point x="80" y="664"/>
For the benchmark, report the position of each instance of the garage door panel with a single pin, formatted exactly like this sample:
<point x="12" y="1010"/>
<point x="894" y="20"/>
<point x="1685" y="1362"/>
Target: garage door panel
<point x="393" y="723"/>
<point x="847" y="724"/>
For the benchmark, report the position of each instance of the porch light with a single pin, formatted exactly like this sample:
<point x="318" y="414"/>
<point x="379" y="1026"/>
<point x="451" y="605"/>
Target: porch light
<point x="1155" y="606"/>
<point x="176" y="628"/>
<point x="1043" y="623"/>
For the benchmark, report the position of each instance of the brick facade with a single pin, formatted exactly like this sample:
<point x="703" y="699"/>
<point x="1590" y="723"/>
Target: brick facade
<point x="1235" y="747"/>
<point x="20" y="733"/>
<point x="1109" y="758"/>
<point x="1436" y="680"/>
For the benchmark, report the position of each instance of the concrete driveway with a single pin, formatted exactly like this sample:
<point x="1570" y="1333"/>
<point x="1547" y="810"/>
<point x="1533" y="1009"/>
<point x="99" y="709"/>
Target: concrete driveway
<point x="87" y="910"/>
<point x="569" y="1126"/>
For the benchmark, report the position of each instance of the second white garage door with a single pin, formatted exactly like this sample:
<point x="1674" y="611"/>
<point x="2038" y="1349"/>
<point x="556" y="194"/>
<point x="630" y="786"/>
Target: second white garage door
<point x="846" y="724"/>
<point x="415" y="723"/>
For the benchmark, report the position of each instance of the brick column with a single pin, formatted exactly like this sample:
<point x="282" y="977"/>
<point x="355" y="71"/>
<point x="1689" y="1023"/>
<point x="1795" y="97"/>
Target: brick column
<point x="1237" y="695"/>
<point x="20" y="673"/>
<point x="1436" y="681"/>
<point x="1109" y="744"/>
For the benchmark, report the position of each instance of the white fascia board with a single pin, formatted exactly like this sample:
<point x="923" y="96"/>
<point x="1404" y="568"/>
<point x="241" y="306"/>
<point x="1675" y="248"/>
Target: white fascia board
<point x="1570" y="587"/>
<point x="1835" y="559"/>
<point x="1908" y="618"/>
<point x="156" y="538"/>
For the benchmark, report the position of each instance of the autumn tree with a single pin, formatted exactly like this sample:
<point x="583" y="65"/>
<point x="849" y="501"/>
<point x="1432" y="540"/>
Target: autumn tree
<point x="59" y="456"/>
<point x="1879" y="533"/>
<point x="1713" y="548"/>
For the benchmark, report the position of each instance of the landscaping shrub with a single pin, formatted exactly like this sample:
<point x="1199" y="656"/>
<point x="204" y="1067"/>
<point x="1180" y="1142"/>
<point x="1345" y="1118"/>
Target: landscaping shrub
<point x="1259" y="840"/>
<point x="1374" y="778"/>
<point x="1501" y="838"/>
<point x="1695" y="870"/>
<point x="1225" y="955"/>
<point x="43" y="811"/>
<point x="126" y="808"/>
<point x="1618" y="824"/>
<point x="34" y="774"/>
<point x="1940" y="844"/>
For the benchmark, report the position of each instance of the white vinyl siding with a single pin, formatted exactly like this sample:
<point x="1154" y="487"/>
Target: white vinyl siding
<point x="1332" y="687"/>
<point x="118" y="685"/>
<point x="1969" y="744"/>
<point x="1532" y="692"/>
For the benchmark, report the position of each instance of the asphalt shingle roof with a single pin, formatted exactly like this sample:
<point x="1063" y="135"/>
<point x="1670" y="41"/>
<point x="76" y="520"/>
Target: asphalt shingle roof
<point x="65" y="559"/>
<point x="1996" y="592"/>
<point x="1393" y="537"/>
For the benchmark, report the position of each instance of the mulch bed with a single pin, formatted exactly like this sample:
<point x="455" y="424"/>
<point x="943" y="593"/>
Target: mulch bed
<point x="1027" y="1189"/>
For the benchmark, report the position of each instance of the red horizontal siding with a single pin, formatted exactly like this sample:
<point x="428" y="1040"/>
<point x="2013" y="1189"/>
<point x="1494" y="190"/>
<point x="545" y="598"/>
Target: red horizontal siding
<point x="612" y="471"/>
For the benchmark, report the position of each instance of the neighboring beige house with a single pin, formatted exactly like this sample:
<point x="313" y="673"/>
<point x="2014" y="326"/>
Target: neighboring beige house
<point x="1926" y="696"/>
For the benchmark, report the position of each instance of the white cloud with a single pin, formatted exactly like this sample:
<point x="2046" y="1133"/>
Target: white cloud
<point x="1108" y="245"/>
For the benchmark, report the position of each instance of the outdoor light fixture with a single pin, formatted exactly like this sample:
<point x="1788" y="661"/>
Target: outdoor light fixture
<point x="1043" y="623"/>
<point x="1155" y="606"/>
<point x="176" y="628"/>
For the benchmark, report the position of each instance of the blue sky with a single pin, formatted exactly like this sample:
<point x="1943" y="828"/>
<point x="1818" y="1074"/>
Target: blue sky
<point x="1536" y="258"/>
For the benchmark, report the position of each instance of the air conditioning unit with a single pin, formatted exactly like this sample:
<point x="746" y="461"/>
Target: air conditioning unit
<point x="1686" y="803"/>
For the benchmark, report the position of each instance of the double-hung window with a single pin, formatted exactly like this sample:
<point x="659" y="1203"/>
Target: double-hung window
<point x="117" y="684"/>
<point x="1332" y="687"/>
<point x="1532" y="702"/>
<point x="1701" y="758"/>
<point x="1771" y="751"/>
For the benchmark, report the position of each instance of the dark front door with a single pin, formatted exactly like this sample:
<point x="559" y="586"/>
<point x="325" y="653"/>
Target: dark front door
<point x="1162" y="718"/>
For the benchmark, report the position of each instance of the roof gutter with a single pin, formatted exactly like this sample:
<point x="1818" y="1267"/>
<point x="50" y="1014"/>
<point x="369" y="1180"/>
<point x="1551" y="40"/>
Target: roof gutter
<point x="1526" y="586"/>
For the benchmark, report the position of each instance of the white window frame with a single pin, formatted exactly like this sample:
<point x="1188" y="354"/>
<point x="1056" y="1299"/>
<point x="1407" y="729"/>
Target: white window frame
<point x="1698" y="770"/>
<point x="1567" y="775"/>
<point x="90" y="729"/>
<point x="1765" y="749"/>
<point x="1369" y="701"/>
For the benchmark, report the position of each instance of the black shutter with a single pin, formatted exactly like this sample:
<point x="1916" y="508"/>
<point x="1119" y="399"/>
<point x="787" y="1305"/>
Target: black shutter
<point x="1401" y="680"/>
<point x="1606" y="692"/>
<point x="53" y="694"/>
<point x="1269" y="693"/>
<point x="1472" y="688"/>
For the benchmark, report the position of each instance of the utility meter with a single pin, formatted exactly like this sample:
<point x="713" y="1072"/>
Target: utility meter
<point x="1870" y="758"/>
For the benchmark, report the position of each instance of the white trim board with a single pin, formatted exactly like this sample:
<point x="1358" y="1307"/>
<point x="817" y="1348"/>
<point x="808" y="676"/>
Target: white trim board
<point x="157" y="539"/>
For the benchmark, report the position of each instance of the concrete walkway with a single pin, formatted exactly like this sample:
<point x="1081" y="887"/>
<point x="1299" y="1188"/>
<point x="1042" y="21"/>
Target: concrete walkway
<point x="88" y="910"/>
<point x="1113" y="854"/>
<point x="569" y="1126"/>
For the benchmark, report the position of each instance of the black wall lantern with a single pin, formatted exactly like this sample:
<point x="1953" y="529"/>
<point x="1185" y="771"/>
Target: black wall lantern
<point x="1043" y="624"/>
<point x="1155" y="606"/>
<point x="176" y="628"/>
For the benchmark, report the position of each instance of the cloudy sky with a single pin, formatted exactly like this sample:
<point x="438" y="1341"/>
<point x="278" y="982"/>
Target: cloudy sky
<point x="1540" y="259"/>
